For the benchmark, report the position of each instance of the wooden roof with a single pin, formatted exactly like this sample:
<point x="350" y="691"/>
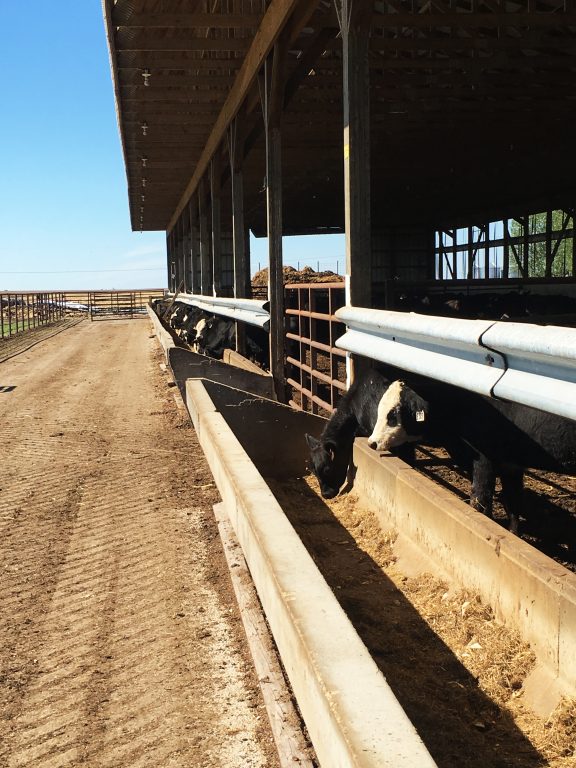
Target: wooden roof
<point x="472" y="105"/>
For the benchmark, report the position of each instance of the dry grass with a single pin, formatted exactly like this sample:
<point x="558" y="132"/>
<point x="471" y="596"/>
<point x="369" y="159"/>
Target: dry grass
<point x="495" y="656"/>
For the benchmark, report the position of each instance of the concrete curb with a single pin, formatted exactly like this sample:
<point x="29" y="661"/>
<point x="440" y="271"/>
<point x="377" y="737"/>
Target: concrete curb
<point x="526" y="589"/>
<point x="186" y="364"/>
<point x="166" y="341"/>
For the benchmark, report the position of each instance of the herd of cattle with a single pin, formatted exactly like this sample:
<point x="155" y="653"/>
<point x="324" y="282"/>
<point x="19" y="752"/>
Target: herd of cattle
<point x="210" y="334"/>
<point x="517" y="305"/>
<point x="486" y="438"/>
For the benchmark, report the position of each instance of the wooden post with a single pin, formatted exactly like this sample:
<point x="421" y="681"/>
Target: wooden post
<point x="194" y="246"/>
<point x="168" y="263"/>
<point x="354" y="20"/>
<point x="187" y="238"/>
<point x="273" y="97"/>
<point x="241" y="263"/>
<point x="506" y="259"/>
<point x="216" y="220"/>
<point x="471" y="254"/>
<point x="173" y="263"/>
<point x="205" y="271"/>
<point x="549" y="252"/>
<point x="182" y="253"/>
<point x="526" y="250"/>
<point x="186" y="249"/>
<point x="178" y="251"/>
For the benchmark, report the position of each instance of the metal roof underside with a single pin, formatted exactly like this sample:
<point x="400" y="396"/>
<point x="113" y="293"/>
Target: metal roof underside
<point x="472" y="106"/>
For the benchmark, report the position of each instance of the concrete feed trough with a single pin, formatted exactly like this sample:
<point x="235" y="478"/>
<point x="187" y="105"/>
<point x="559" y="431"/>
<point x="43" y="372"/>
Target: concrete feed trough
<point x="352" y="716"/>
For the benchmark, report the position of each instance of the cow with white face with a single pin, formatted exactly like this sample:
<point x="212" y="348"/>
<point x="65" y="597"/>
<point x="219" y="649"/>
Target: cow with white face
<point x="487" y="438"/>
<point x="402" y="417"/>
<point x="331" y="452"/>
<point x="214" y="335"/>
<point x="199" y="334"/>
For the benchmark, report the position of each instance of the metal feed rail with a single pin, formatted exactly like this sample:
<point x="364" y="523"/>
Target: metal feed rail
<point x="251" y="311"/>
<point x="529" y="364"/>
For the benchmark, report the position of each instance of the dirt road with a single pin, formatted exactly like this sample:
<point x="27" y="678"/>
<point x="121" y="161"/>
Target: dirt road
<point x="121" y="643"/>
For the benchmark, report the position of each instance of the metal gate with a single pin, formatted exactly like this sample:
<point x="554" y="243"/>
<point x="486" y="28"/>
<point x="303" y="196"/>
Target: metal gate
<point x="117" y="305"/>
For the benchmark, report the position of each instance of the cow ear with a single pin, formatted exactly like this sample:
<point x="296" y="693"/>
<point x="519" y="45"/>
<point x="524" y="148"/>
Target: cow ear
<point x="313" y="442"/>
<point x="331" y="448"/>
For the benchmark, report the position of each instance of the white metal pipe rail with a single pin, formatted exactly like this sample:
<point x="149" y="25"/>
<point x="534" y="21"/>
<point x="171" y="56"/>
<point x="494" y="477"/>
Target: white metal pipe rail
<point x="529" y="364"/>
<point x="251" y="311"/>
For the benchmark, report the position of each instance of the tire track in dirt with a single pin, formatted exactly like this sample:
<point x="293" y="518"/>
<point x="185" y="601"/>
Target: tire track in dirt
<point x="120" y="638"/>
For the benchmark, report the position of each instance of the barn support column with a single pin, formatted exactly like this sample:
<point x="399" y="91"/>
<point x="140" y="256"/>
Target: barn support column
<point x="171" y="266"/>
<point x="272" y="101"/>
<point x="241" y="262"/>
<point x="354" y="20"/>
<point x="216" y="216"/>
<point x="187" y="216"/>
<point x="168" y="278"/>
<point x="205" y="270"/>
<point x="178" y="254"/>
<point x="182" y="253"/>
<point x="194" y="246"/>
<point x="184" y="250"/>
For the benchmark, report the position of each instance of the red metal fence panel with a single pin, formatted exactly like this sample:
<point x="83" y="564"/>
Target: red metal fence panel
<point x="316" y="369"/>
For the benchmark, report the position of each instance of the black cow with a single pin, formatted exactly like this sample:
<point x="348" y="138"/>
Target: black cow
<point x="219" y="333"/>
<point x="177" y="314"/>
<point x="331" y="453"/>
<point x="215" y="335"/>
<point x="187" y="329"/>
<point x="487" y="438"/>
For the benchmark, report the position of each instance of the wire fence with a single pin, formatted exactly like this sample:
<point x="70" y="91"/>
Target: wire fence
<point x="21" y="312"/>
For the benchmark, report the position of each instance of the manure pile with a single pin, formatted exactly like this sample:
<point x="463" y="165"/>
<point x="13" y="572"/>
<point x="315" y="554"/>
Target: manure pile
<point x="292" y="275"/>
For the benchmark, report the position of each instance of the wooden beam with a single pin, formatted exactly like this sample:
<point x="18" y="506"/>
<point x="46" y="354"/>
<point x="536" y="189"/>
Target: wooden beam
<point x="158" y="79"/>
<point x="194" y="245"/>
<point x="186" y="20"/>
<point x="216" y="209"/>
<point x="444" y="43"/>
<point x="356" y="104"/>
<point x="473" y="20"/>
<point x="129" y="61"/>
<point x="141" y="43"/>
<point x="236" y="135"/>
<point x="178" y="120"/>
<point x="510" y="61"/>
<point x="205" y="270"/>
<point x="273" y="99"/>
<point x="174" y="96"/>
<point x="307" y="60"/>
<point x="272" y="24"/>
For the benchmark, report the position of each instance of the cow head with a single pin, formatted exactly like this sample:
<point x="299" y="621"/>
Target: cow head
<point x="329" y="464"/>
<point x="402" y="418"/>
<point x="200" y="330"/>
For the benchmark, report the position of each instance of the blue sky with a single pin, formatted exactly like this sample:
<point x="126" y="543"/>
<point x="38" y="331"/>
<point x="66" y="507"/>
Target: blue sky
<point x="64" y="220"/>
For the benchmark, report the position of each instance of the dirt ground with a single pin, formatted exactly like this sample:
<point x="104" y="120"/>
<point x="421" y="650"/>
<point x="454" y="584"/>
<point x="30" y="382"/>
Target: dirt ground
<point x="121" y="642"/>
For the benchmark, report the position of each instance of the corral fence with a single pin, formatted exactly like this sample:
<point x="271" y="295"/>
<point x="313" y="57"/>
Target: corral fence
<point x="24" y="311"/>
<point x="316" y="368"/>
<point x="110" y="305"/>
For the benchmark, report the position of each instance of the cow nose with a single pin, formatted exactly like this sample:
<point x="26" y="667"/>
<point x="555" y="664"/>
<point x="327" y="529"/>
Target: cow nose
<point x="372" y="444"/>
